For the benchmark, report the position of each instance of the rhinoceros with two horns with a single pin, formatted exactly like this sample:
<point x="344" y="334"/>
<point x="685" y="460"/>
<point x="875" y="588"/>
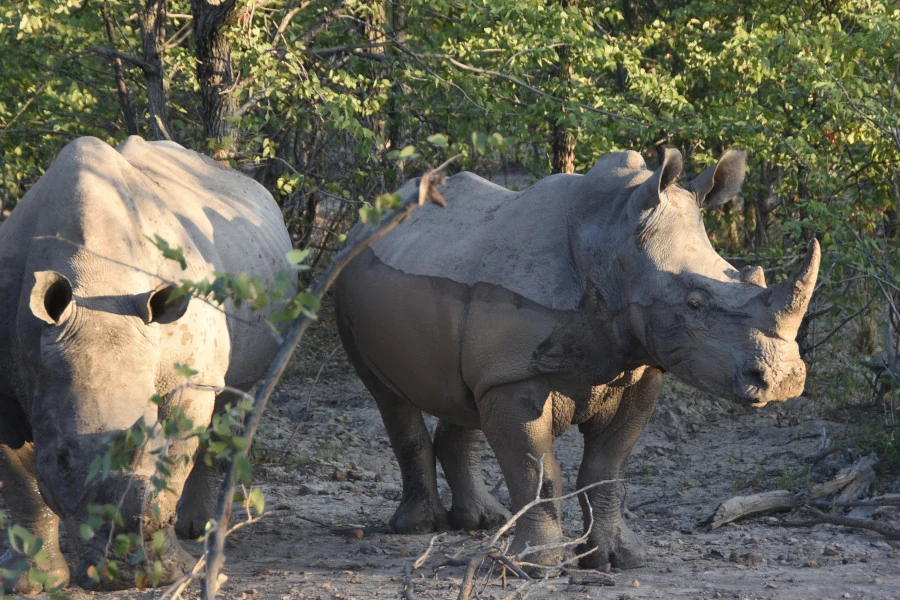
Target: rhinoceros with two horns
<point x="86" y="338"/>
<point x="517" y="314"/>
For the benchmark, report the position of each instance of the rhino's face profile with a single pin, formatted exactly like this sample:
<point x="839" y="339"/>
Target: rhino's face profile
<point x="715" y="327"/>
<point x="96" y="372"/>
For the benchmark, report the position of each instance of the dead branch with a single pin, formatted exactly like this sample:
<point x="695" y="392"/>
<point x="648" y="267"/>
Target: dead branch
<point x="848" y="485"/>
<point x="854" y="478"/>
<point x="742" y="507"/>
<point x="410" y="567"/>
<point x="819" y="518"/>
<point x="367" y="237"/>
<point x="885" y="500"/>
<point x="491" y="550"/>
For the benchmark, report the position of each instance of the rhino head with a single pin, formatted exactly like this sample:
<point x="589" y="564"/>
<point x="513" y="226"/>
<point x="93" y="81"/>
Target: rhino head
<point x="720" y="329"/>
<point x="100" y="360"/>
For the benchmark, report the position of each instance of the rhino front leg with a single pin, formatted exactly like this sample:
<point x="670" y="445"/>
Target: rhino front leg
<point x="27" y="508"/>
<point x="518" y="422"/>
<point x="459" y="451"/>
<point x="199" y="499"/>
<point x="606" y="450"/>
<point x="198" y="502"/>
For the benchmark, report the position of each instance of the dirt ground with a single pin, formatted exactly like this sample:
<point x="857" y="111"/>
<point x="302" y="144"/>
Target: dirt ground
<point x="331" y="467"/>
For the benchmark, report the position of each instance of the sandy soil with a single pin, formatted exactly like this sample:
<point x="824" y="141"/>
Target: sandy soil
<point x="331" y="467"/>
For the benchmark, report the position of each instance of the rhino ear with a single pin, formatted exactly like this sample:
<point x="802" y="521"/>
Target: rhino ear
<point x="51" y="297"/>
<point x="157" y="306"/>
<point x="667" y="173"/>
<point x="721" y="182"/>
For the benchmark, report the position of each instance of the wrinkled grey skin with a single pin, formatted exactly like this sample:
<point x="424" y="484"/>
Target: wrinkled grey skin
<point x="86" y="340"/>
<point x="518" y="314"/>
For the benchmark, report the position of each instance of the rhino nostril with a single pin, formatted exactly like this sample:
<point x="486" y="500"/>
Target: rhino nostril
<point x="755" y="374"/>
<point x="62" y="461"/>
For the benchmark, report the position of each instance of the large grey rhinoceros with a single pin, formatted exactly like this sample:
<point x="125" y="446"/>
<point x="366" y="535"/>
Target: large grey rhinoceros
<point x="520" y="313"/>
<point x="86" y="339"/>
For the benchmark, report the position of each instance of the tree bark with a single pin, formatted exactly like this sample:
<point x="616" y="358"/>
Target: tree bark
<point x="214" y="69"/>
<point x="563" y="140"/>
<point x="152" y="20"/>
<point x="121" y="87"/>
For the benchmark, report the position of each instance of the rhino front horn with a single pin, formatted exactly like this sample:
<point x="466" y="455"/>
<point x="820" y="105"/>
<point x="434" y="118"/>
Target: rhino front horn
<point x="791" y="297"/>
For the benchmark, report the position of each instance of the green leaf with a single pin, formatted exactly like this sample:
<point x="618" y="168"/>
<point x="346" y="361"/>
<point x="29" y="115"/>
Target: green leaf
<point x="439" y="140"/>
<point x="295" y="257"/>
<point x="242" y="469"/>
<point x="183" y="370"/>
<point x="257" y="501"/>
<point x="158" y="541"/>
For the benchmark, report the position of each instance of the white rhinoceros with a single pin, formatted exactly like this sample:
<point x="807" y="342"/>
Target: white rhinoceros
<point x="520" y="313"/>
<point x="86" y="338"/>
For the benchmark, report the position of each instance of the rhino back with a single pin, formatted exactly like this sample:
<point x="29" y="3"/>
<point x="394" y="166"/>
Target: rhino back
<point x="518" y="241"/>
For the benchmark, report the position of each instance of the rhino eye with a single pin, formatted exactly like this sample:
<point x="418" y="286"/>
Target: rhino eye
<point x="694" y="301"/>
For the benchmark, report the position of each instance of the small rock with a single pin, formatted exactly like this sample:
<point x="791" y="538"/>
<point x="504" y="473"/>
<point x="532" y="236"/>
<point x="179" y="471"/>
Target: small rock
<point x="366" y="548"/>
<point x="752" y="560"/>
<point x="830" y="552"/>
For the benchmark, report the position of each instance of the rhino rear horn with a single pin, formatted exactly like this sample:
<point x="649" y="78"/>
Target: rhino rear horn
<point x="721" y="182"/>
<point x="51" y="297"/>
<point x="158" y="306"/>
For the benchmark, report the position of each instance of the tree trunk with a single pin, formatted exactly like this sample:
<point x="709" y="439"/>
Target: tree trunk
<point x="121" y="88"/>
<point x="397" y="117"/>
<point x="214" y="70"/>
<point x="152" y="19"/>
<point x="563" y="140"/>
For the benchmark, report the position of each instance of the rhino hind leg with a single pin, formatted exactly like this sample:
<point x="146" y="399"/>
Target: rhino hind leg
<point x="420" y="509"/>
<point x="27" y="508"/>
<point x="606" y="451"/>
<point x="459" y="451"/>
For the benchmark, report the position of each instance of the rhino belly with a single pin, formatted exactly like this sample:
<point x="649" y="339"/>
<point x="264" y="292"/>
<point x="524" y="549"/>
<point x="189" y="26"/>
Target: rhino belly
<point x="405" y="329"/>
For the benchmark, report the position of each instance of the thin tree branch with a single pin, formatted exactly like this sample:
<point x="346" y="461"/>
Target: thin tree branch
<point x="367" y="237"/>
<point x="324" y="21"/>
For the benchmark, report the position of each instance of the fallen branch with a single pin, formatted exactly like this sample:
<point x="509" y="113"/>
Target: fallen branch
<point x="851" y="480"/>
<point x="819" y="518"/>
<point x="492" y="551"/>
<point x="742" y="507"/>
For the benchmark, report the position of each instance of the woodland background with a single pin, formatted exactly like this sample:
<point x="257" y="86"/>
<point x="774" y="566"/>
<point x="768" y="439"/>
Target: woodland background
<point x="331" y="103"/>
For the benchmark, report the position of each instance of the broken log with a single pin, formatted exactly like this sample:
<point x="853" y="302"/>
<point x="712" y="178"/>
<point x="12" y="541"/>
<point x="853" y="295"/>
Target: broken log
<point x="862" y="470"/>
<point x="741" y="507"/>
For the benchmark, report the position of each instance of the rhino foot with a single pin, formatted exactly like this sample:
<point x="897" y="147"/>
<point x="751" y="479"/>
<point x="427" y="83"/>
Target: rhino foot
<point x="418" y="515"/>
<point x="53" y="575"/>
<point x="547" y="563"/>
<point x="174" y="559"/>
<point x="197" y="504"/>
<point x="482" y="515"/>
<point x="622" y="549"/>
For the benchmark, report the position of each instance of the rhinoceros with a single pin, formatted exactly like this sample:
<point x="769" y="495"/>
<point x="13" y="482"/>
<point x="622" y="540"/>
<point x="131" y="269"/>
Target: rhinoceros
<point x="511" y="315"/>
<point x="88" y="334"/>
